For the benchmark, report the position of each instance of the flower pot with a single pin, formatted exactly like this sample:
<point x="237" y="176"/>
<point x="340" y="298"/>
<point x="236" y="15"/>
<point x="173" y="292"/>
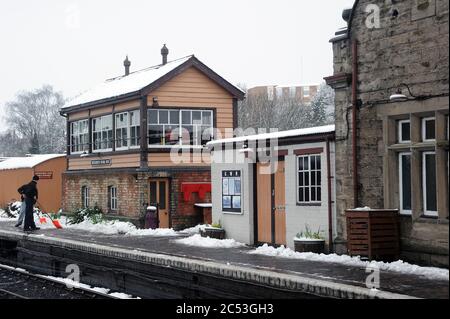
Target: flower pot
<point x="309" y="245"/>
<point x="217" y="233"/>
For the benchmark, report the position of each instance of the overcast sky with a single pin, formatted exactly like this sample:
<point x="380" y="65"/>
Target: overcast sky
<point x="72" y="45"/>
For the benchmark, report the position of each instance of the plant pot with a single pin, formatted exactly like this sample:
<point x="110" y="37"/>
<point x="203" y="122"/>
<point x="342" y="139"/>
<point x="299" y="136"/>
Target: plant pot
<point x="309" y="246"/>
<point x="217" y="233"/>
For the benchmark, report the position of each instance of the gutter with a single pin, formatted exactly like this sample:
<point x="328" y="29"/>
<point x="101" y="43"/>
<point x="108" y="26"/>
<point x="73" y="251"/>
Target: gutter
<point x="330" y="201"/>
<point x="354" y="127"/>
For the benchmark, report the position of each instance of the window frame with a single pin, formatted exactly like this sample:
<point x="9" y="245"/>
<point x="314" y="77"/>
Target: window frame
<point x="235" y="175"/>
<point x="195" y="127"/>
<point x="85" y="196"/>
<point x="424" y="129"/>
<point x="113" y="198"/>
<point x="306" y="91"/>
<point x="78" y="135"/>
<point x="400" y="182"/>
<point x="400" y="131"/>
<point x="427" y="212"/>
<point x="309" y="187"/>
<point x="101" y="131"/>
<point x="129" y="127"/>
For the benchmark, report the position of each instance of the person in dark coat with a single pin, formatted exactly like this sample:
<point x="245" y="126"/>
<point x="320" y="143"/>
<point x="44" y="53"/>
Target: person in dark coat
<point x="30" y="194"/>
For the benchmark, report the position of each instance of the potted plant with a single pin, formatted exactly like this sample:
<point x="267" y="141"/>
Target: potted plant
<point x="309" y="241"/>
<point x="213" y="231"/>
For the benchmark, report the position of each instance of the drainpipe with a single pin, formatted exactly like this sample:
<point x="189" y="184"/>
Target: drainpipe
<point x="330" y="208"/>
<point x="354" y="114"/>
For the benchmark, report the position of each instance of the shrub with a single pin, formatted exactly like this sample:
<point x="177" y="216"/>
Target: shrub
<point x="95" y="215"/>
<point x="308" y="233"/>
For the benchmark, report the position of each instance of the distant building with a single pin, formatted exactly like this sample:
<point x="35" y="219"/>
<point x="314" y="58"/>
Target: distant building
<point x="302" y="93"/>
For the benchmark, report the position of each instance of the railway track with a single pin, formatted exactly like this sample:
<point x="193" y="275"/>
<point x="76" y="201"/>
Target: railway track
<point x="21" y="284"/>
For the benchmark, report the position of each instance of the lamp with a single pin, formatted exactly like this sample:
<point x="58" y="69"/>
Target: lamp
<point x="399" y="96"/>
<point x="155" y="101"/>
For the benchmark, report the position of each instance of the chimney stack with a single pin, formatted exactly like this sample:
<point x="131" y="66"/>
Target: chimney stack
<point x="127" y="64"/>
<point x="164" y="53"/>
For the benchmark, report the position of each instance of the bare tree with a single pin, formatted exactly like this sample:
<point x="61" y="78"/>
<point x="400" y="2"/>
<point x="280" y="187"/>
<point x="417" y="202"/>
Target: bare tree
<point x="35" y="118"/>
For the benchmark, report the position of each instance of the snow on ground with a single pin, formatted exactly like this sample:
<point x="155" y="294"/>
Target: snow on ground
<point x="206" y="242"/>
<point x="72" y="283"/>
<point x="115" y="227"/>
<point x="397" y="266"/>
<point x="193" y="230"/>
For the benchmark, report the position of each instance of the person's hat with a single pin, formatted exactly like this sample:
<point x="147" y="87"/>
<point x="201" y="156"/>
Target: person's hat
<point x="35" y="178"/>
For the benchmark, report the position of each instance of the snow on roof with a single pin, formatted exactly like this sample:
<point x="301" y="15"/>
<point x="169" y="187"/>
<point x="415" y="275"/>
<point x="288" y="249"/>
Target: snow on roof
<point x="26" y="162"/>
<point x="133" y="82"/>
<point x="277" y="135"/>
<point x="285" y="85"/>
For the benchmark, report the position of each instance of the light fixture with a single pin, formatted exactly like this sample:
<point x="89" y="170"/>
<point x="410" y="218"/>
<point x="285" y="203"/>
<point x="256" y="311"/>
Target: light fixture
<point x="155" y="101"/>
<point x="399" y="96"/>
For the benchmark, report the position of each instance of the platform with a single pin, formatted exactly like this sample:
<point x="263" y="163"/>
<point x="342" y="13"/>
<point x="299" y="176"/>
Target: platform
<point x="199" y="270"/>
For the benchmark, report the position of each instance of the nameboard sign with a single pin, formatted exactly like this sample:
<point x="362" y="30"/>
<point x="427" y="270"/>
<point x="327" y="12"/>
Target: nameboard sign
<point x="44" y="175"/>
<point x="102" y="162"/>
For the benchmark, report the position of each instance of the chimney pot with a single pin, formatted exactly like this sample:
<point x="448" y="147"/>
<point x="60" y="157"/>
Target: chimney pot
<point x="127" y="64"/>
<point x="164" y="53"/>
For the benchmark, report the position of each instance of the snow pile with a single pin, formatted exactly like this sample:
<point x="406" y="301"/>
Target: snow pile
<point x="115" y="227"/>
<point x="194" y="230"/>
<point x="363" y="208"/>
<point x="398" y="266"/>
<point x="206" y="242"/>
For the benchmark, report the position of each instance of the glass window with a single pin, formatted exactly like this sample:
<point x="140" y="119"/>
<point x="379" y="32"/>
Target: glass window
<point x="102" y="134"/>
<point x="127" y="130"/>
<point x="404" y="131"/>
<point x="306" y="91"/>
<point x="231" y="191"/>
<point x="429" y="129"/>
<point x="112" y="191"/>
<point x="309" y="179"/>
<point x="270" y="90"/>
<point x="429" y="183"/>
<point x="79" y="136"/>
<point x="196" y="127"/>
<point x="85" y="196"/>
<point x="292" y="92"/>
<point x="279" y="92"/>
<point x="405" y="182"/>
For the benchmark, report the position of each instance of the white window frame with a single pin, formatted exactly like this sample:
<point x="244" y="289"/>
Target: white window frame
<point x="128" y="126"/>
<point x="180" y="127"/>
<point x="399" y="130"/>
<point x="424" y="186"/>
<point x="113" y="200"/>
<point x="424" y="131"/>
<point x="309" y="187"/>
<point x="78" y="135"/>
<point x="400" y="182"/>
<point x="101" y="131"/>
<point x="136" y="114"/>
<point x="85" y="196"/>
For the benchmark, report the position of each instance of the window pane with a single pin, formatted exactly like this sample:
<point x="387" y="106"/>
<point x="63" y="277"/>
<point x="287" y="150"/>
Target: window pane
<point x="186" y="117"/>
<point x="300" y="164"/>
<point x="225" y="189"/>
<point x="107" y="122"/>
<point x="188" y="135"/>
<point x="163" y="117"/>
<point x="313" y="194"/>
<point x="405" y="131"/>
<point x="162" y="195"/>
<point x="237" y="202"/>
<point x="153" y="200"/>
<point x="171" y="134"/>
<point x="301" y="178"/>
<point x="318" y="163"/>
<point x="301" y="196"/>
<point x="226" y="202"/>
<point x="430" y="182"/>
<point x="153" y="116"/>
<point x="206" y="117"/>
<point x="318" y="193"/>
<point x="231" y="186"/>
<point x="174" y="117"/>
<point x="196" y="117"/>
<point x="237" y="186"/>
<point x="155" y="134"/>
<point x="430" y="132"/>
<point x="406" y="181"/>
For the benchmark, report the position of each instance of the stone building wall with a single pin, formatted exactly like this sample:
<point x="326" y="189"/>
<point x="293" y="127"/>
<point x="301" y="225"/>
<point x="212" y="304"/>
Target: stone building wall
<point x="410" y="46"/>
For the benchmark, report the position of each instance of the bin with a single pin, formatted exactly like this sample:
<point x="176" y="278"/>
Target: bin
<point x="152" y="218"/>
<point x="373" y="233"/>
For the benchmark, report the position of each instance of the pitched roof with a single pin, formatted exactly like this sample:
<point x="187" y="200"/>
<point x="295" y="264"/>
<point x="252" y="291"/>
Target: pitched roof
<point x="277" y="135"/>
<point x="143" y="81"/>
<point x="27" y="162"/>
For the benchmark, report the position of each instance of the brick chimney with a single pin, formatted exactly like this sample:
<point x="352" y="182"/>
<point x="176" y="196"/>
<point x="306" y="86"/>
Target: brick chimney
<point x="164" y="53"/>
<point x="127" y="64"/>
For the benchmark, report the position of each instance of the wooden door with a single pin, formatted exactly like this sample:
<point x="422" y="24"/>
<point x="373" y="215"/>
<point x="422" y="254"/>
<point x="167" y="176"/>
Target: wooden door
<point x="159" y="195"/>
<point x="279" y="188"/>
<point x="264" y="203"/>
